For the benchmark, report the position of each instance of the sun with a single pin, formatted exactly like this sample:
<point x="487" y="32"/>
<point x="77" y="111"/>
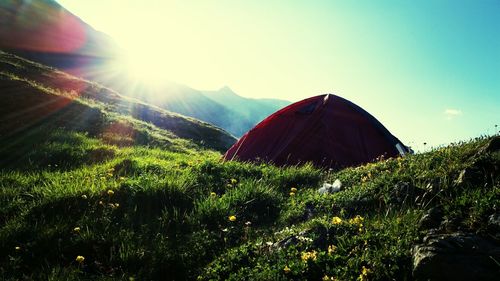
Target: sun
<point x="146" y="66"/>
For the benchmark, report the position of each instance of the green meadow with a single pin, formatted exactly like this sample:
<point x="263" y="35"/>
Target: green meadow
<point x="75" y="207"/>
<point x="96" y="186"/>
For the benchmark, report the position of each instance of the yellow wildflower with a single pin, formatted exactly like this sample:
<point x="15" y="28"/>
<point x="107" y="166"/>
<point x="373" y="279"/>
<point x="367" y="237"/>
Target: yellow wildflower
<point x="286" y="269"/>
<point x="76" y="229"/>
<point x="365" y="270"/>
<point x="234" y="181"/>
<point x="80" y="259"/>
<point x="336" y="220"/>
<point x="113" y="205"/>
<point x="122" y="178"/>
<point x="292" y="193"/>
<point x="364" y="273"/>
<point x="17" y="248"/>
<point x="232" y="218"/>
<point x="328" y="278"/>
<point x="213" y="194"/>
<point x="110" y="192"/>
<point x="357" y="220"/>
<point x="84" y="196"/>
<point x="331" y="249"/>
<point x="293" y="189"/>
<point x="308" y="256"/>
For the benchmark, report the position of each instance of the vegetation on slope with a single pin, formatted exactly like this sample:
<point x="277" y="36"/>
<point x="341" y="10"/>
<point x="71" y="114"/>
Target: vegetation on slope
<point x="93" y="188"/>
<point x="33" y="94"/>
<point x="142" y="213"/>
<point x="67" y="43"/>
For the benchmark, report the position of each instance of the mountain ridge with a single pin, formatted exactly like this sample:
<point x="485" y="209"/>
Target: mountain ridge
<point x="92" y="53"/>
<point x="34" y="87"/>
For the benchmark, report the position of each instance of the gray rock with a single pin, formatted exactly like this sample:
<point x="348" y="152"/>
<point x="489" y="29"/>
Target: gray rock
<point x="451" y="224"/>
<point x="404" y="193"/>
<point x="431" y="219"/>
<point x="481" y="170"/>
<point x="471" y="175"/>
<point x="456" y="257"/>
<point x="494" y="224"/>
<point x="309" y="211"/>
<point x="286" y="242"/>
<point x="290" y="240"/>
<point x="492" y="146"/>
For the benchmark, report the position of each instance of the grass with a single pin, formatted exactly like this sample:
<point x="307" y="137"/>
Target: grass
<point x="94" y="186"/>
<point x="152" y="214"/>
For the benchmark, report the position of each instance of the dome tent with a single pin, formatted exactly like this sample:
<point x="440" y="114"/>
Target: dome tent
<point x="327" y="130"/>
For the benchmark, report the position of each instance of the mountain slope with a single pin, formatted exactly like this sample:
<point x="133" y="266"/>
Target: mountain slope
<point x="32" y="93"/>
<point x="223" y="108"/>
<point x="44" y="31"/>
<point x="190" y="102"/>
<point x="66" y="42"/>
<point x="252" y="111"/>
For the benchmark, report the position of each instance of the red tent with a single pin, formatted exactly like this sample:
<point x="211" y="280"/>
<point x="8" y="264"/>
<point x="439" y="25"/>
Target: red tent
<point x="327" y="130"/>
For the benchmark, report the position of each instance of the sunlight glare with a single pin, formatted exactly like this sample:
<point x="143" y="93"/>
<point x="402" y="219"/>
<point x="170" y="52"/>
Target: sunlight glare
<point x="146" y="65"/>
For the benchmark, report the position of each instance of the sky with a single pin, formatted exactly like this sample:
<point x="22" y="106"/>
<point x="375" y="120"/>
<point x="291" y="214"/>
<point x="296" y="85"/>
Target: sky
<point x="429" y="70"/>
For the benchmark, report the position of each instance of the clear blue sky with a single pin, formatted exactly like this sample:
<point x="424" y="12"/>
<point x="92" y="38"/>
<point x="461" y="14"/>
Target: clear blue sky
<point x="428" y="70"/>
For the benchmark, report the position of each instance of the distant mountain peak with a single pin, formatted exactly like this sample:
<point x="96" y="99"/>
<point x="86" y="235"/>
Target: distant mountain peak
<point x="226" y="89"/>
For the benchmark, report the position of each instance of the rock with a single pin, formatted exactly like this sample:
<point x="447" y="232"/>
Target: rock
<point x="404" y="192"/>
<point x="292" y="240"/>
<point x="451" y="224"/>
<point x="492" y="146"/>
<point x="471" y="175"/>
<point x="456" y="257"/>
<point x="330" y="188"/>
<point x="432" y="218"/>
<point x="286" y="242"/>
<point x="494" y="224"/>
<point x="309" y="211"/>
<point x="317" y="237"/>
<point x="482" y="167"/>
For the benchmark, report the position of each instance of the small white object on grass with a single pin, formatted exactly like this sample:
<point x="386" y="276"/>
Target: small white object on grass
<point x="330" y="188"/>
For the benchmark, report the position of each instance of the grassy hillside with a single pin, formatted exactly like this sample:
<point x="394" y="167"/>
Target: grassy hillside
<point x="34" y="95"/>
<point x="189" y="102"/>
<point x="67" y="43"/>
<point x="80" y="208"/>
<point x="96" y="186"/>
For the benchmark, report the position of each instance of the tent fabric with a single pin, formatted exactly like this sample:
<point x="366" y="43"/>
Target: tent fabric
<point x="327" y="130"/>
